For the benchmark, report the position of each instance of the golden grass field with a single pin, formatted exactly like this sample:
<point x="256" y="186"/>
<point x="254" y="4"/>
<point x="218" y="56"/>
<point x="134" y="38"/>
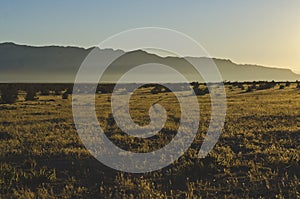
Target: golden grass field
<point x="258" y="154"/>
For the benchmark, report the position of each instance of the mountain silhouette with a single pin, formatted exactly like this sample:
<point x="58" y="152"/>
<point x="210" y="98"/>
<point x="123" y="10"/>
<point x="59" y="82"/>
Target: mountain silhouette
<point x="21" y="63"/>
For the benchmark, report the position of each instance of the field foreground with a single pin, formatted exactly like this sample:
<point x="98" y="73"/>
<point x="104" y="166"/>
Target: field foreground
<point x="258" y="154"/>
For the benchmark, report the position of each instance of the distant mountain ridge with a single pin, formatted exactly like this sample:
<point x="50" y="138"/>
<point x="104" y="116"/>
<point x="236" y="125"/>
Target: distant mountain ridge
<point x="22" y="63"/>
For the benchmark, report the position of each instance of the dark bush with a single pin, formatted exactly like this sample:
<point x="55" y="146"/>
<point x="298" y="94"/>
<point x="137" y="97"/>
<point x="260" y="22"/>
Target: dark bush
<point x="57" y="92"/>
<point x="202" y="91"/>
<point x="65" y="95"/>
<point x="69" y="90"/>
<point x="30" y="94"/>
<point x="159" y="89"/>
<point x="249" y="89"/>
<point x="281" y="87"/>
<point x="9" y="94"/>
<point x="195" y="85"/>
<point x="266" y="85"/>
<point x="45" y="91"/>
<point x="105" y="88"/>
<point x="156" y="90"/>
<point x="241" y="86"/>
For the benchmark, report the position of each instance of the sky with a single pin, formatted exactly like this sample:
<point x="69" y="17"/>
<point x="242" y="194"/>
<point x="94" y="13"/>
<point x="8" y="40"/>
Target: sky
<point x="254" y="32"/>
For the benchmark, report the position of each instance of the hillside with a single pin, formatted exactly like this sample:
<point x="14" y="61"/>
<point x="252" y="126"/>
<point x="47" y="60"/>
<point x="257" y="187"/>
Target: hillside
<point x="20" y="63"/>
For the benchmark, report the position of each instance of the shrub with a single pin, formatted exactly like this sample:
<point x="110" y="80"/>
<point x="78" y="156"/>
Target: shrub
<point x="249" y="89"/>
<point x="281" y="87"/>
<point x="195" y="85"/>
<point x="287" y="84"/>
<point x="65" y="95"/>
<point x="105" y="88"/>
<point x="267" y="85"/>
<point x="57" y="91"/>
<point x="159" y="89"/>
<point x="241" y="86"/>
<point x="69" y="90"/>
<point x="30" y="95"/>
<point x="45" y="91"/>
<point x="155" y="90"/>
<point x="31" y="92"/>
<point x="200" y="91"/>
<point x="9" y="94"/>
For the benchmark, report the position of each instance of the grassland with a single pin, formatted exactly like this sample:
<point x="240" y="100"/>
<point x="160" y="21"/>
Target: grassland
<point x="258" y="154"/>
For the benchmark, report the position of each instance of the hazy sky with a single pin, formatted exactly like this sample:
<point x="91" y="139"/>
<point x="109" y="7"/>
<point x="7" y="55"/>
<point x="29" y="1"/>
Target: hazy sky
<point x="264" y="32"/>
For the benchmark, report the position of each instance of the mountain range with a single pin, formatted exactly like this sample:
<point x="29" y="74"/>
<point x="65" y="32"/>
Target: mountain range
<point x="22" y="63"/>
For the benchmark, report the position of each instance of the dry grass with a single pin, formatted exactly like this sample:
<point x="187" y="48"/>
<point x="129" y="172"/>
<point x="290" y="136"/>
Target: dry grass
<point x="41" y="155"/>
